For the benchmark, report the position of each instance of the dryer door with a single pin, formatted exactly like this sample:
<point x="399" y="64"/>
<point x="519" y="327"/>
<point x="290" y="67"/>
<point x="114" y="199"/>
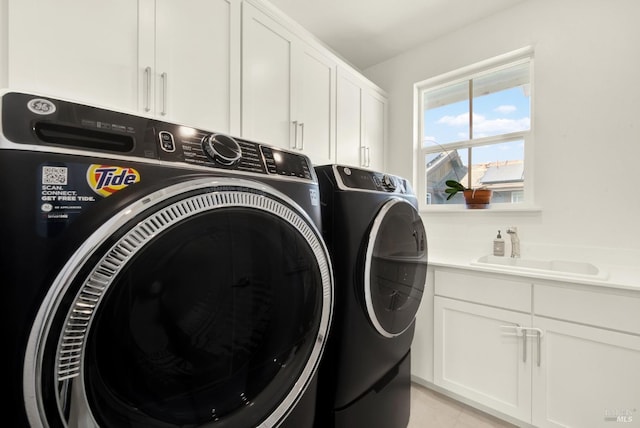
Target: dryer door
<point x="204" y="304"/>
<point x="395" y="267"/>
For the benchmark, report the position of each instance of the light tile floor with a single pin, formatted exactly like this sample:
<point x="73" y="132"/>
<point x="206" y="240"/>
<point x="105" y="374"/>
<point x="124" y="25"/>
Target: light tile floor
<point x="430" y="409"/>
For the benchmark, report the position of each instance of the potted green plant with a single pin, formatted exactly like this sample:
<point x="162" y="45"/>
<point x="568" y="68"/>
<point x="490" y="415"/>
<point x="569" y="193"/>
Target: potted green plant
<point x="474" y="198"/>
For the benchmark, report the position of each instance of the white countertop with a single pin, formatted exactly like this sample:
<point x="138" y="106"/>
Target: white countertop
<point x="621" y="277"/>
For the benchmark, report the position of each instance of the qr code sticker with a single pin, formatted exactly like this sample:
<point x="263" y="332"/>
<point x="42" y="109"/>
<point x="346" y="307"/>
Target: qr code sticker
<point x="54" y="175"/>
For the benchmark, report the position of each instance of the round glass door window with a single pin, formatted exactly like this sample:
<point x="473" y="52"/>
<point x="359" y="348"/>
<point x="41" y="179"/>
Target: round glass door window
<point x="395" y="267"/>
<point x="209" y="311"/>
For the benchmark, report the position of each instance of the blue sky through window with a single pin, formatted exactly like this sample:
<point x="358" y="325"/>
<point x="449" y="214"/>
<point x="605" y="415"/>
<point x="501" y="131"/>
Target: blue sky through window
<point x="497" y="113"/>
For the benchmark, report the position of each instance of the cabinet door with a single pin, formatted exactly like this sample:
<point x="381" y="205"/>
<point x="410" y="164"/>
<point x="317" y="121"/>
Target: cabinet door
<point x="85" y="51"/>
<point x="478" y="355"/>
<point x="586" y="376"/>
<point x="315" y="88"/>
<point x="361" y="124"/>
<point x="194" y="62"/>
<point x="267" y="50"/>
<point x="348" y="121"/>
<point x="373" y="129"/>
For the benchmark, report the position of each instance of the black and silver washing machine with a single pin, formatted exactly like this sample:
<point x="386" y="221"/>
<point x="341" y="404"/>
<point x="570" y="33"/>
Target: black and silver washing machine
<point x="379" y="249"/>
<point x="156" y="275"/>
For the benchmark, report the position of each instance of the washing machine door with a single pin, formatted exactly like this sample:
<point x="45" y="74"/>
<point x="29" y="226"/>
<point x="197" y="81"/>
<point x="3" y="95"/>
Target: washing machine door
<point x="204" y="304"/>
<point x="395" y="267"/>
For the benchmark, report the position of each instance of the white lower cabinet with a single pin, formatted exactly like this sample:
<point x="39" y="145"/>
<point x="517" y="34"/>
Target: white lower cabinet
<point x="479" y="356"/>
<point x="586" y="376"/>
<point x="582" y="371"/>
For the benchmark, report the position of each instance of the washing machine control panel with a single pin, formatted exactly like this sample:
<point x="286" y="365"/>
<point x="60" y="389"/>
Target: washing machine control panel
<point x="66" y="127"/>
<point x="361" y="179"/>
<point x="217" y="150"/>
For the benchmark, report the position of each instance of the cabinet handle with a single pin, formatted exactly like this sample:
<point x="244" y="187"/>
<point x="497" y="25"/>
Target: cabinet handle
<point x="163" y="77"/>
<point x="301" y="135"/>
<point x="524" y="345"/>
<point x="539" y="336"/>
<point x="147" y="89"/>
<point x="294" y="145"/>
<point x="366" y="156"/>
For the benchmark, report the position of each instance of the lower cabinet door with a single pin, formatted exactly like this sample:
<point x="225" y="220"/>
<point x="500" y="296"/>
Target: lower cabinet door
<point x="585" y="377"/>
<point x="480" y="355"/>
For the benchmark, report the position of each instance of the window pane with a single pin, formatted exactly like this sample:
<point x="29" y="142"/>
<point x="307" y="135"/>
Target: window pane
<point x="446" y="114"/>
<point x="443" y="166"/>
<point x="499" y="167"/>
<point x="474" y="130"/>
<point x="501" y="102"/>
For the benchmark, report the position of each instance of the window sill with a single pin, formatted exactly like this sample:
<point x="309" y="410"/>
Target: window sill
<point x="461" y="208"/>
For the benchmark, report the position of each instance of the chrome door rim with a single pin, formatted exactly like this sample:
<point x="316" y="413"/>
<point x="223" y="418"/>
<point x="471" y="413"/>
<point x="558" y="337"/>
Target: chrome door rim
<point x="215" y="193"/>
<point x="375" y="229"/>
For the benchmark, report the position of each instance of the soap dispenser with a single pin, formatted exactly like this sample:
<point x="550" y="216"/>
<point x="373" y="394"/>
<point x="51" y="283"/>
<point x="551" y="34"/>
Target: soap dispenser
<point x="498" y="245"/>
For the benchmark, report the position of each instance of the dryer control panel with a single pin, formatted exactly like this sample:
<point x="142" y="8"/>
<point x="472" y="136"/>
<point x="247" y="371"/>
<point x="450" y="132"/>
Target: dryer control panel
<point x="55" y="125"/>
<point x="350" y="178"/>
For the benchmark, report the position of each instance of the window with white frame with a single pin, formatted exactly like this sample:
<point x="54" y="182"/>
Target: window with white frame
<point x="475" y="127"/>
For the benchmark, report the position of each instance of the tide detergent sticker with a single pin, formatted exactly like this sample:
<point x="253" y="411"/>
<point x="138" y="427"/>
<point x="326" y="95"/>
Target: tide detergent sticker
<point x="105" y="180"/>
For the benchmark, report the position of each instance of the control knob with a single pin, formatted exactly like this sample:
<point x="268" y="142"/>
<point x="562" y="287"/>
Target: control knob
<point x="221" y="149"/>
<point x="389" y="182"/>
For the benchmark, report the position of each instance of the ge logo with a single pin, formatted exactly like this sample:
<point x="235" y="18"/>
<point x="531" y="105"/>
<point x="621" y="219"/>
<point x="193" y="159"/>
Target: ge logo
<point x="41" y="106"/>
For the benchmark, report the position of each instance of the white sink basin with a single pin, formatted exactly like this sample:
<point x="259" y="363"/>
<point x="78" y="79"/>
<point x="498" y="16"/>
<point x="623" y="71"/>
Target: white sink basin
<point x="550" y="267"/>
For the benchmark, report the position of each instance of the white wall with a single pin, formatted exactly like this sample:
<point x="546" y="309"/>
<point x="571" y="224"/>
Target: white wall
<point x="586" y="124"/>
<point x="3" y="43"/>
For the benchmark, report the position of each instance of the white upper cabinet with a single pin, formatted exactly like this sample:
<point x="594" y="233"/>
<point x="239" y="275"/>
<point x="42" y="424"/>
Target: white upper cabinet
<point x="288" y="89"/>
<point x="267" y="51"/>
<point x="233" y="66"/>
<point x="196" y="67"/>
<point x="80" y="50"/>
<point x="170" y="60"/>
<point x="374" y="120"/>
<point x="348" y="126"/>
<point x="315" y="104"/>
<point x="361" y="123"/>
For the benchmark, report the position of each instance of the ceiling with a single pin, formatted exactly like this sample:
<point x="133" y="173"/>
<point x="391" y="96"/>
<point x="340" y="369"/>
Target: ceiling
<point x="367" y="32"/>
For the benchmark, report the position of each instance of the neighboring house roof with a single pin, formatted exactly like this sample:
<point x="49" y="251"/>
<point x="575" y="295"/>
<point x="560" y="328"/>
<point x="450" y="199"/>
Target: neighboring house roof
<point x="497" y="175"/>
<point x="506" y="176"/>
<point x="503" y="172"/>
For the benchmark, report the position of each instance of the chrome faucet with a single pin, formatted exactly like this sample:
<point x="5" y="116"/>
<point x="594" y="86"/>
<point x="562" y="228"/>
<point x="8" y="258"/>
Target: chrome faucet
<point x="515" y="241"/>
